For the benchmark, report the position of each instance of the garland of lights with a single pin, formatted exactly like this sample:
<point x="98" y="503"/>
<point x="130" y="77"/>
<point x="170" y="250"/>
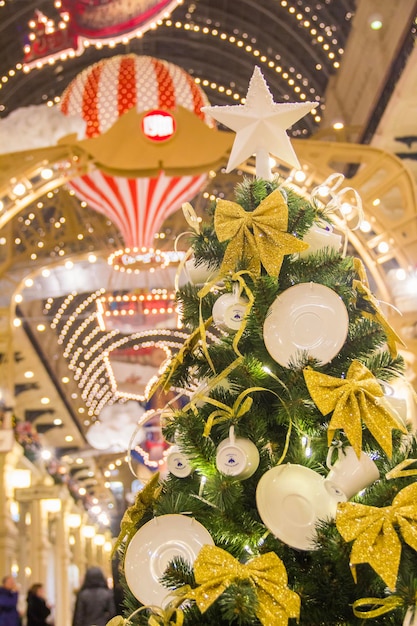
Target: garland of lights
<point x="331" y="49"/>
<point x="135" y="259"/>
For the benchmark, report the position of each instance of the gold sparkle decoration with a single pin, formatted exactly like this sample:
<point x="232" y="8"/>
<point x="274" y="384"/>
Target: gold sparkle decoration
<point x="402" y="470"/>
<point x="260" y="237"/>
<point x="362" y="289"/>
<point x="169" y="616"/>
<point x="379" y="606"/>
<point x="188" y="347"/>
<point x="373" y="531"/>
<point x="361" y="271"/>
<point x="353" y="400"/>
<point x="224" y="412"/>
<point x="118" y="620"/>
<point x="215" y="570"/>
<point x="132" y="516"/>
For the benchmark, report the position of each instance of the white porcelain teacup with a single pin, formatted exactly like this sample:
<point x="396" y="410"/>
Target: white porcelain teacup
<point x="319" y="238"/>
<point x="229" y="311"/>
<point x="178" y="463"/>
<point x="348" y="473"/>
<point x="396" y="406"/>
<point x="237" y="456"/>
<point x="411" y="617"/>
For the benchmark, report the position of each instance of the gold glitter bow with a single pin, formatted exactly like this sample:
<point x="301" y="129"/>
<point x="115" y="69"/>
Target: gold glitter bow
<point x="215" y="570"/>
<point x="260" y="237"/>
<point x="132" y="516"/>
<point x="373" y="531"/>
<point x="353" y="399"/>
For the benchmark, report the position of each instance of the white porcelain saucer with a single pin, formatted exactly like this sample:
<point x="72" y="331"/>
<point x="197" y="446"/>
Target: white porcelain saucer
<point x="291" y="499"/>
<point x="154" y="546"/>
<point x="306" y="317"/>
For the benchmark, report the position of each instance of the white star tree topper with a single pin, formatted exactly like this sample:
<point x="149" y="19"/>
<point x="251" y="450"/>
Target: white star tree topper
<point x="260" y="125"/>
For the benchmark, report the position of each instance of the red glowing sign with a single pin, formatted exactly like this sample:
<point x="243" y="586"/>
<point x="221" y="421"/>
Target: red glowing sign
<point x="158" y="125"/>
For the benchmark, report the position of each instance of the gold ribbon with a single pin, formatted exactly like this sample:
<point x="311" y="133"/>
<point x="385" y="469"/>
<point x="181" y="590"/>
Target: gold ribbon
<point x="362" y="287"/>
<point x="260" y="237"/>
<point x="117" y="620"/>
<point x="224" y="412"/>
<point x="215" y="570"/>
<point x="192" y="220"/>
<point x="201" y="396"/>
<point x="361" y="271"/>
<point x="170" y="616"/>
<point x="372" y="530"/>
<point x="248" y="293"/>
<point x="383" y="605"/>
<point x="187" y="347"/>
<point x="132" y="516"/>
<point x="401" y="471"/>
<point x="353" y="399"/>
<point x="191" y="217"/>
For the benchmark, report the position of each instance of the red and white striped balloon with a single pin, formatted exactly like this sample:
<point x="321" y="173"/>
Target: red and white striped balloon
<point x="102" y="93"/>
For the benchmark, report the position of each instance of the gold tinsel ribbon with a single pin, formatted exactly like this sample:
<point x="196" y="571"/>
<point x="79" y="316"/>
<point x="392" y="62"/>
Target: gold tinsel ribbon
<point x="362" y="287"/>
<point x="169" y="616"/>
<point x="215" y="570"/>
<point x="353" y="400"/>
<point x="243" y="287"/>
<point x="401" y="471"/>
<point x="380" y="606"/>
<point x="132" y="516"/>
<point x="225" y="413"/>
<point x="361" y="271"/>
<point x="192" y="220"/>
<point x="238" y="278"/>
<point x="188" y="347"/>
<point x="260" y="236"/>
<point x="374" y="535"/>
<point x="201" y="396"/>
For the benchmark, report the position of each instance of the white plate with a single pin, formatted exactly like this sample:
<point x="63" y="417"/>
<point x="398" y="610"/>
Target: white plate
<point x="307" y="317"/>
<point x="154" y="546"/>
<point x="291" y="499"/>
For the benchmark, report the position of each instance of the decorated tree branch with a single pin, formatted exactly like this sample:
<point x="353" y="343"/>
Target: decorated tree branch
<point x="290" y="495"/>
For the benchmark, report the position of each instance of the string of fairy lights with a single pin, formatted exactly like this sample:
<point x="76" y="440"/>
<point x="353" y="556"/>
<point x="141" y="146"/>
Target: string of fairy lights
<point x="321" y="34"/>
<point x="86" y="347"/>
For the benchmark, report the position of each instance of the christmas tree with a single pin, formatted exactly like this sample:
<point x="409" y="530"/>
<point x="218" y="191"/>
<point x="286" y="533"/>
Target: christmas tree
<point x="292" y="494"/>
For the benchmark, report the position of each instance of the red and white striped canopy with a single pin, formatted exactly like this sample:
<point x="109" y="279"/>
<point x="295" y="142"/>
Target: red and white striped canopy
<point x="102" y="93"/>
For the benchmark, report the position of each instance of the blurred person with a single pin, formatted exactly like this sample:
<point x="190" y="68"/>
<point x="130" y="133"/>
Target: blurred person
<point x="38" y="610"/>
<point x="9" y="595"/>
<point x="95" y="601"/>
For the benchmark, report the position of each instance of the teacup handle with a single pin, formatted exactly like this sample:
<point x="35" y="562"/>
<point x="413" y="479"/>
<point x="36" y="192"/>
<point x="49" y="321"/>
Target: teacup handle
<point x="232" y="435"/>
<point x="329" y="457"/>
